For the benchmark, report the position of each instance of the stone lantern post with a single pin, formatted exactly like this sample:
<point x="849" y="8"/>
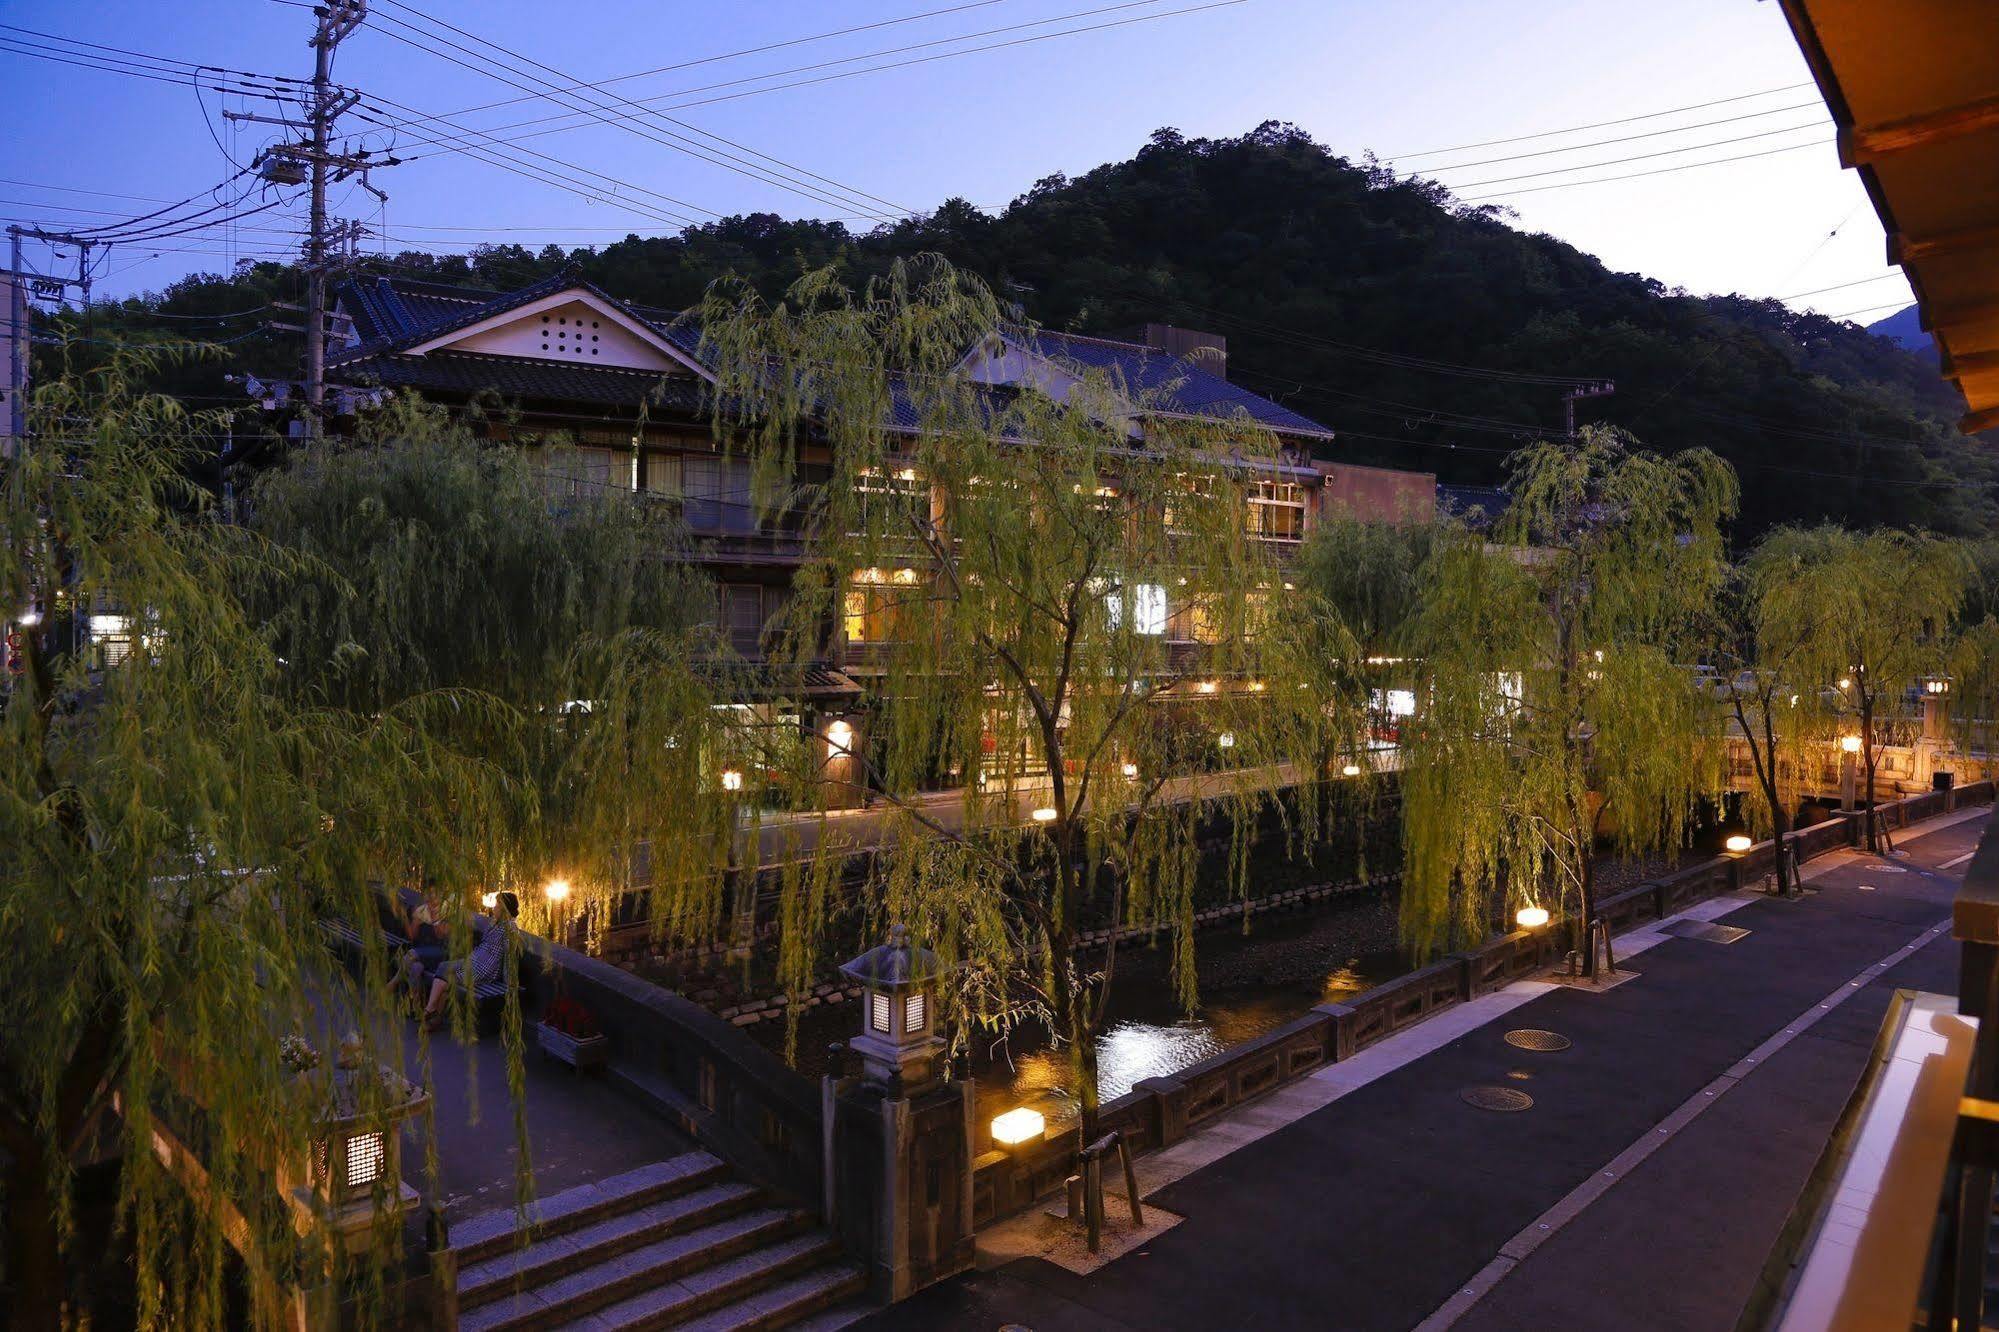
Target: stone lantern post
<point x="898" y="1042"/>
<point x="898" y="1138"/>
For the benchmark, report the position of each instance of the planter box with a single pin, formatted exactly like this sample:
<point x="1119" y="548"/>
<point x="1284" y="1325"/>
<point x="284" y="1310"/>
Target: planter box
<point x="578" y="1052"/>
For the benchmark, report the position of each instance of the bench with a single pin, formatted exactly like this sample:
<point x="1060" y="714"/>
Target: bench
<point x="349" y="941"/>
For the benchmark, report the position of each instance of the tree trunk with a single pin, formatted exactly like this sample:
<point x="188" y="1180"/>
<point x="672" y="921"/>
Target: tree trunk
<point x="1072" y="1024"/>
<point x="1867" y="769"/>
<point x="34" y="1253"/>
<point x="1589" y="908"/>
<point x="1780" y="823"/>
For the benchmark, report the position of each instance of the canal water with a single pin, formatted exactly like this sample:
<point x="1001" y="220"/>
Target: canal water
<point x="1251" y="981"/>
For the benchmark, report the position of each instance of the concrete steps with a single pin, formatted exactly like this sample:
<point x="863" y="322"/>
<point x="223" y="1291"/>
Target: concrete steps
<point x="681" y="1243"/>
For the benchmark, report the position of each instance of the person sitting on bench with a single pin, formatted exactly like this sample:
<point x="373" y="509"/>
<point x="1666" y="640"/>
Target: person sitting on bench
<point x="483" y="964"/>
<point x="420" y="921"/>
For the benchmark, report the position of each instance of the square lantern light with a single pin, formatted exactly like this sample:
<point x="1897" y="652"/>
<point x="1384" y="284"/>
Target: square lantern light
<point x="898" y="1044"/>
<point x="1019" y="1126"/>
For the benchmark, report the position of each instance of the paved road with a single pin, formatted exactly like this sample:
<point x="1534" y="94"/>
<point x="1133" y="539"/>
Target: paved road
<point x="1373" y="1211"/>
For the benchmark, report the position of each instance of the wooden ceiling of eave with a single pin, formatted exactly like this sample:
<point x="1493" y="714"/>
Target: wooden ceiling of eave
<point x="1914" y="87"/>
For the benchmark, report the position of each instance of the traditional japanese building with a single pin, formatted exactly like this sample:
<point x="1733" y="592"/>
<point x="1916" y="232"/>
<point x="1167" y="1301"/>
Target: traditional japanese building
<point x="626" y="386"/>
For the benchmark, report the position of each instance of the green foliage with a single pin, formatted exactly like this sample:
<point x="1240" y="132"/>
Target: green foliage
<point x="444" y="562"/>
<point x="1552" y="686"/>
<point x="171" y="829"/>
<point x="1303" y="259"/>
<point x="1014" y="551"/>
<point x="1370" y="574"/>
<point x="1871" y="614"/>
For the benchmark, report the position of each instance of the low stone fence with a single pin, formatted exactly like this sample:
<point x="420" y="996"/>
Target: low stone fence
<point x="720" y="1087"/>
<point x="774" y="1004"/>
<point x="1159" y="1112"/>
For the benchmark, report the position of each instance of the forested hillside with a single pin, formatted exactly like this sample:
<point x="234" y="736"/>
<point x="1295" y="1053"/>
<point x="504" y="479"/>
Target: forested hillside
<point x="1340" y="287"/>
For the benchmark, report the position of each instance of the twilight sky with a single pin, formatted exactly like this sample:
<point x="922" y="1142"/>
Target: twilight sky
<point x="1400" y="79"/>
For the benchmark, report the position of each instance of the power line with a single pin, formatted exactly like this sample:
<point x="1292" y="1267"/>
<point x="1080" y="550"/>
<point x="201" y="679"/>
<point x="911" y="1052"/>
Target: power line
<point x="1842" y="286"/>
<point x="137" y="222"/>
<point x="1625" y="138"/>
<point x="1870" y="309"/>
<point x="1635" y="175"/>
<point x="748" y="50"/>
<point x="1600" y="124"/>
<point x="1640" y="157"/>
<point x="555" y="175"/>
<point x="722" y="159"/>
<point x="875" y="69"/>
<point x="762" y="172"/>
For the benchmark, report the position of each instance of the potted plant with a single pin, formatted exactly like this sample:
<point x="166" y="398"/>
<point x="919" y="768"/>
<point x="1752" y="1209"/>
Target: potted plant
<point x="569" y="1032"/>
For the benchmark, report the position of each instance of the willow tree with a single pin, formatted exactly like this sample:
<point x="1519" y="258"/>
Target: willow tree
<point x="1765" y="625"/>
<point x="442" y="561"/>
<point x="1974" y="691"/>
<point x="1872" y="611"/>
<point x="1018" y="562"/>
<point x="1555" y="707"/>
<point x="173" y="823"/>
<point x="1368" y="577"/>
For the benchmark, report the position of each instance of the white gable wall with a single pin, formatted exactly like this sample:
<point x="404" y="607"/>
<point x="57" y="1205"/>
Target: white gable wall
<point x="572" y="331"/>
<point x="1003" y="361"/>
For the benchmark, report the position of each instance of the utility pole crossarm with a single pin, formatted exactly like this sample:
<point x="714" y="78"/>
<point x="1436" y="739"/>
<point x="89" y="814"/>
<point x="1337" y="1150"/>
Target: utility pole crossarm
<point x="322" y="163"/>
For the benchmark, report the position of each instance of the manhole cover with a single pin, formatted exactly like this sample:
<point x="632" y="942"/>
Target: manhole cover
<point x="1503" y="1099"/>
<point x="1532" y="1038"/>
<point x="1705" y="929"/>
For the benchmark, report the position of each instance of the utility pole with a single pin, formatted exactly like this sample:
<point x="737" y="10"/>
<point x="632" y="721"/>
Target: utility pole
<point x="23" y="284"/>
<point x="316" y="159"/>
<point x="1602" y="388"/>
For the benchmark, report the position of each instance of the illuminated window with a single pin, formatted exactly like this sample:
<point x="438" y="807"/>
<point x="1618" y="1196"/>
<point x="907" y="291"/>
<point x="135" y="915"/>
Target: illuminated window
<point x="113" y="636"/>
<point x="878" y="1011"/>
<point x="912" y="1012"/>
<point x="1197" y="488"/>
<point x="1277" y="511"/>
<point x="1204" y="622"/>
<point x="871" y="609"/>
<point x="887" y="492"/>
<point x="1148" y="609"/>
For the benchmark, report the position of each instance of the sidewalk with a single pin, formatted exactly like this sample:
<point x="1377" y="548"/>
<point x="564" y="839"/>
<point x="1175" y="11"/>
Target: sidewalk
<point x="1642" y="1189"/>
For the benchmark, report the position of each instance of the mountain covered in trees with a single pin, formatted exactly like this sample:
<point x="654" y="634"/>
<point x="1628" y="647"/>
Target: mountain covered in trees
<point x="1429" y="333"/>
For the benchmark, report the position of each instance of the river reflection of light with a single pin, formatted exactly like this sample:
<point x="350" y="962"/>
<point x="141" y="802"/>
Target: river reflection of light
<point x="1127" y="1054"/>
<point x="1026" y="1072"/>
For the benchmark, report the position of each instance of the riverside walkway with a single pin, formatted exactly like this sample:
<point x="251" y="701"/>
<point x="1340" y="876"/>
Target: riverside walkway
<point x="1643" y="1189"/>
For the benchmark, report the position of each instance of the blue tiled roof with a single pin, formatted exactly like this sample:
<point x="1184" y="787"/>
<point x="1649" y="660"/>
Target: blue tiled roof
<point x="1169" y="383"/>
<point x="1481" y="504"/>
<point x="392" y="314"/>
